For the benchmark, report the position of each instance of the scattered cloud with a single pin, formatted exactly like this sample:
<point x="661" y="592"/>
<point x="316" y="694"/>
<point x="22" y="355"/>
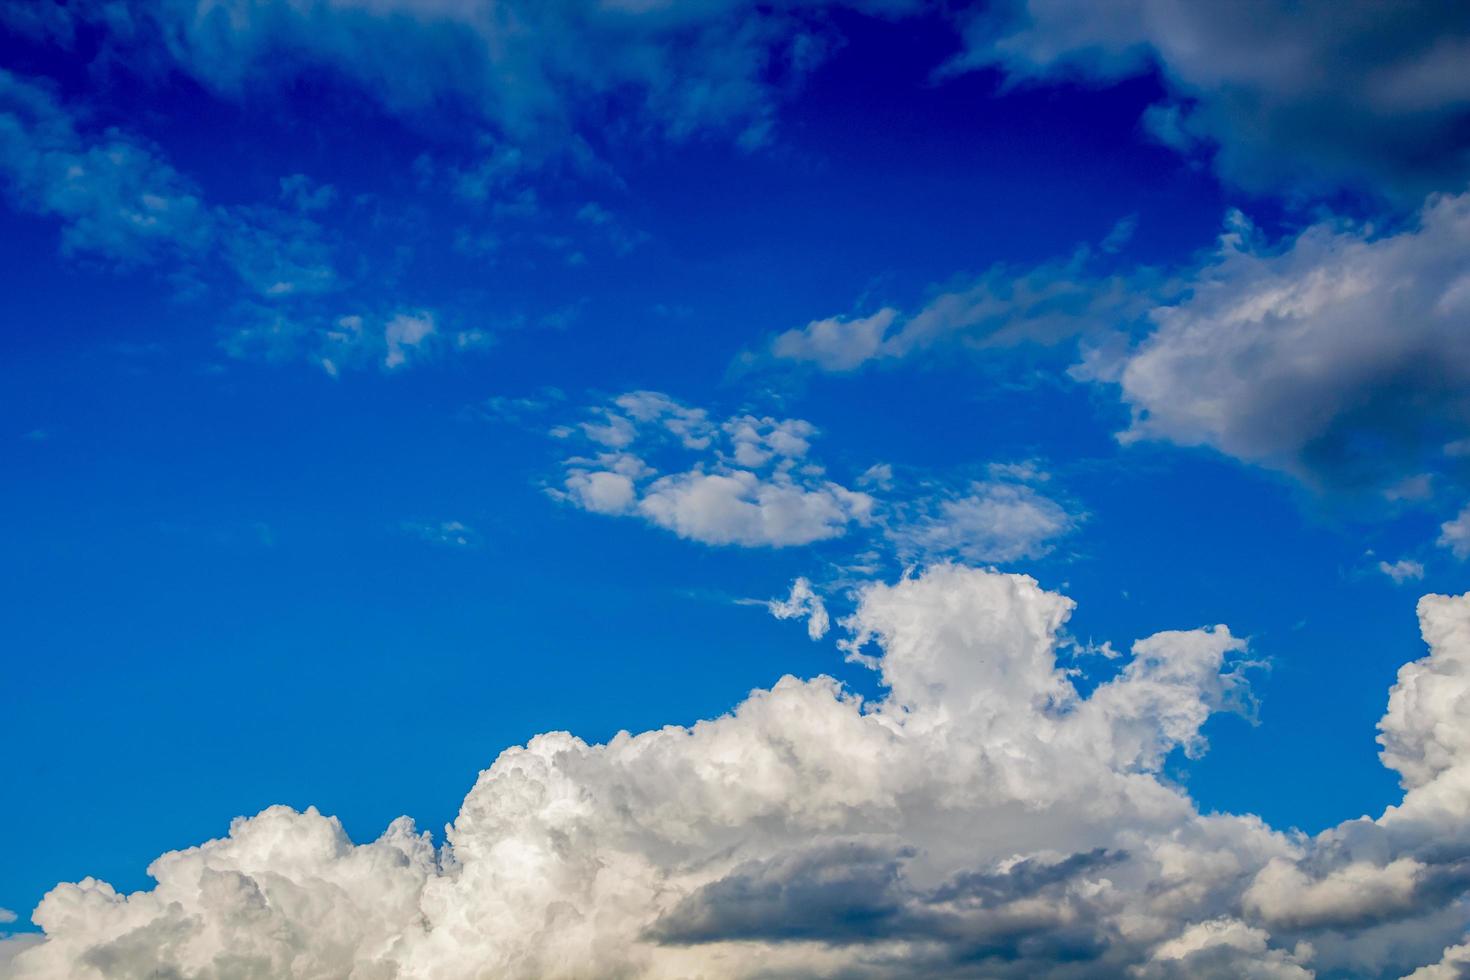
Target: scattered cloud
<point x="750" y="482"/>
<point x="1046" y="304"/>
<point x="803" y="603"/>
<point x="1402" y="570"/>
<point x="452" y="534"/>
<point x="1336" y="355"/>
<point x="1310" y="93"/>
<point x="118" y="199"/>
<point x="113" y="193"/>
<point x="990" y="522"/>
<point x="981" y="817"/>
<point x="1454" y="534"/>
<point x="336" y="344"/>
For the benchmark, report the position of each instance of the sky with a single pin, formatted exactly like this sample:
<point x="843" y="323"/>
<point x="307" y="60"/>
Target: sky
<point x="847" y="488"/>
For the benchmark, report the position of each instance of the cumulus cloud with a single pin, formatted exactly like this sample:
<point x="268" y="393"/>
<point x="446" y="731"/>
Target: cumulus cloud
<point x="750" y="483"/>
<point x="1340" y="356"/>
<point x="1315" y="93"/>
<point x="980" y="818"/>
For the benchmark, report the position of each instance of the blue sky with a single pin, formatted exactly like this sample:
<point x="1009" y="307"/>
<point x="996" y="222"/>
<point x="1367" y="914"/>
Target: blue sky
<point x="391" y="383"/>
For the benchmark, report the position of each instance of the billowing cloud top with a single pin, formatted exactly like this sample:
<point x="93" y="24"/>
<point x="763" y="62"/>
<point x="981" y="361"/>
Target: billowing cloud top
<point x="982" y="818"/>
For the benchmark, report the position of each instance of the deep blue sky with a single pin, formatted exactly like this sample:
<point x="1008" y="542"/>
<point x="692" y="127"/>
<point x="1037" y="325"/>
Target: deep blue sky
<point x="219" y="590"/>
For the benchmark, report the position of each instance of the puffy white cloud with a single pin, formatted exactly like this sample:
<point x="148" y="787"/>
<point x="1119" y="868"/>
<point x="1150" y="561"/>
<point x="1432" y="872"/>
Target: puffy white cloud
<point x="981" y="818"/>
<point x="752" y="483"/>
<point x="1314" y="92"/>
<point x="1340" y="356"/>
<point x="1453" y="966"/>
<point x="746" y="508"/>
<point x="745" y="487"/>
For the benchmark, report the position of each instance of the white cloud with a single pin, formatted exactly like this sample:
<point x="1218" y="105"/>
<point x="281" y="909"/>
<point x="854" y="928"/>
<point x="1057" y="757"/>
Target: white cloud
<point x="1313" y="92"/>
<point x="803" y="603"/>
<point x="1454" y="534"/>
<point x="994" y="521"/>
<point x="1339" y="356"/>
<point x="392" y="342"/>
<point x="1454" y="965"/>
<point x="1402" y="570"/>
<point x="981" y="818"/>
<point x="745" y="508"/>
<point x="836" y="344"/>
<point x="6" y="916"/>
<point x="744" y="486"/>
<point x="751" y="482"/>
<point x="404" y="335"/>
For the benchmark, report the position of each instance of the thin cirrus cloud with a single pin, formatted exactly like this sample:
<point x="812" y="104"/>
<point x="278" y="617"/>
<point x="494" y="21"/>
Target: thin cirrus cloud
<point x="979" y="818"/>
<point x="1003" y="307"/>
<point x="528" y="70"/>
<point x="751" y="481"/>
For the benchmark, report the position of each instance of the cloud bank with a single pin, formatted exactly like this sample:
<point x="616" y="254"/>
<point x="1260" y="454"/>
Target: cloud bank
<point x="980" y="818"/>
